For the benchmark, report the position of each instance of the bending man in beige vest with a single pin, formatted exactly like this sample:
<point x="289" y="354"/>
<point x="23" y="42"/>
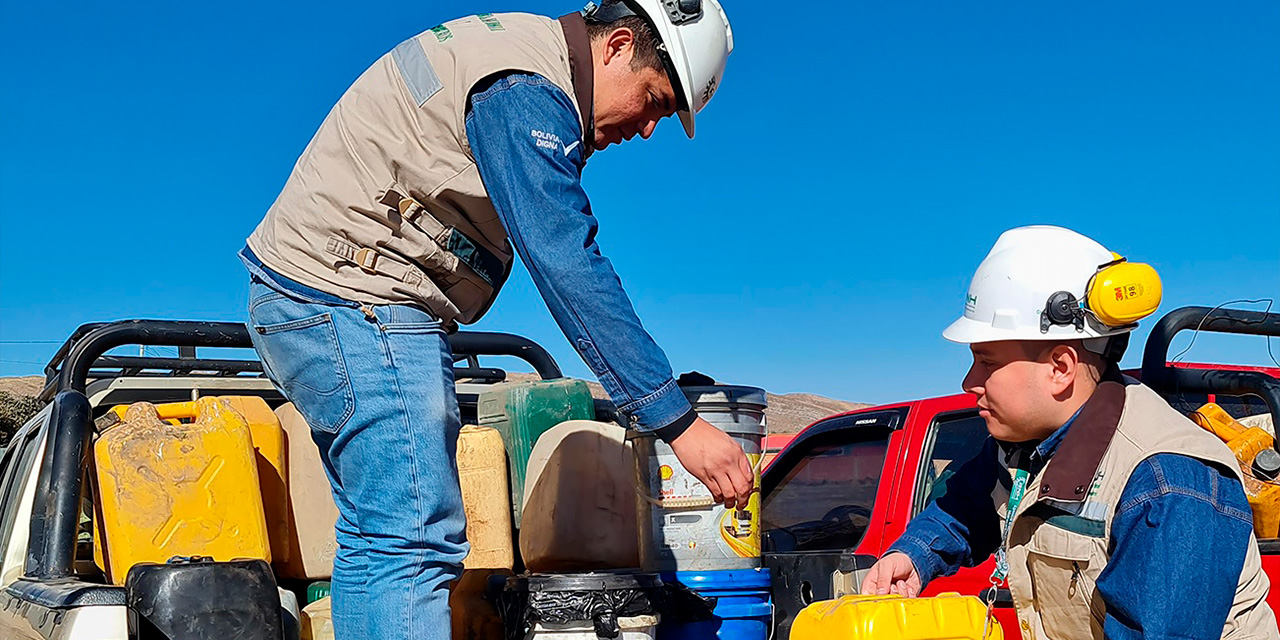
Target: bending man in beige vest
<point x="461" y="147"/>
<point x="1110" y="514"/>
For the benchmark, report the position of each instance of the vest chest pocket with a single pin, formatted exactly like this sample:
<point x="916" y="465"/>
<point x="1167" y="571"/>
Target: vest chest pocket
<point x="1064" y="566"/>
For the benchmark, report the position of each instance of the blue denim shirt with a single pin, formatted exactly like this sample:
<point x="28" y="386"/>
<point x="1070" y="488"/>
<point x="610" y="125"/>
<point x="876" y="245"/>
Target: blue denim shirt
<point x="526" y="138"/>
<point x="1178" y="540"/>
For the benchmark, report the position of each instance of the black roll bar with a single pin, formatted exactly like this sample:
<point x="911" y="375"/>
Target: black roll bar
<point x="1159" y="375"/>
<point x="55" y="512"/>
<point x="180" y="333"/>
<point x="178" y="365"/>
<point x="56" y="517"/>
<point x="486" y="343"/>
<point x="51" y="369"/>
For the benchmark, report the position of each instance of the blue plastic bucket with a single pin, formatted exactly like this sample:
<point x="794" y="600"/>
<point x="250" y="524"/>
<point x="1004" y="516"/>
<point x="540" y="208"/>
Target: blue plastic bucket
<point x="744" y="610"/>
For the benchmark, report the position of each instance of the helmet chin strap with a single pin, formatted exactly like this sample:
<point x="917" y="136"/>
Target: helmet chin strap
<point x="1097" y="345"/>
<point x="1111" y="348"/>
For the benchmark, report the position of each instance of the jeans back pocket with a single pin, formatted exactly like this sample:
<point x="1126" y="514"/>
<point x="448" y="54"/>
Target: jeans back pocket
<point x="300" y="349"/>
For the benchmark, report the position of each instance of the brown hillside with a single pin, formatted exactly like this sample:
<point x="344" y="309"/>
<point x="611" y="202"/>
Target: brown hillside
<point x="24" y="386"/>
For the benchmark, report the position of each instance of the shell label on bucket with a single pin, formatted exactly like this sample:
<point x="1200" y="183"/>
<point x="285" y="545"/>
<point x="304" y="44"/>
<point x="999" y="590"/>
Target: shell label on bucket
<point x="706" y="530"/>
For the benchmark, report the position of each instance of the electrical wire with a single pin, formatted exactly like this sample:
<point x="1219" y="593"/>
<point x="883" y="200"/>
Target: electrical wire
<point x="1196" y="332"/>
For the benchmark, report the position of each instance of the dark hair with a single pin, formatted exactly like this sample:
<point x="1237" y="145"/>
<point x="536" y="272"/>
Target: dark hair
<point x="645" y="44"/>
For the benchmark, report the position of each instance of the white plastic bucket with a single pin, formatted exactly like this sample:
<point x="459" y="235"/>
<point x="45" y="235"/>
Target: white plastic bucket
<point x="634" y="628"/>
<point x="681" y="527"/>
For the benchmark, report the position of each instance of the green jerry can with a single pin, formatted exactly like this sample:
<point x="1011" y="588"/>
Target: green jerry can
<point x="523" y="411"/>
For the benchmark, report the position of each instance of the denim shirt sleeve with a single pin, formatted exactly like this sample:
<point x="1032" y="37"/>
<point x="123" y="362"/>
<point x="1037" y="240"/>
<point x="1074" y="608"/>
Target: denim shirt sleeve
<point x="1181" y="532"/>
<point x="526" y="137"/>
<point x="962" y="527"/>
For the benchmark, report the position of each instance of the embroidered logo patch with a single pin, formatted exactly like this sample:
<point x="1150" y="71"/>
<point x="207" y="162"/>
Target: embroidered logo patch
<point x="490" y="21"/>
<point x="546" y="140"/>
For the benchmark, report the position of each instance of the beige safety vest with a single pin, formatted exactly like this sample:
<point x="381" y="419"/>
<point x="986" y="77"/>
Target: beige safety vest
<point x="1055" y="558"/>
<point x="385" y="205"/>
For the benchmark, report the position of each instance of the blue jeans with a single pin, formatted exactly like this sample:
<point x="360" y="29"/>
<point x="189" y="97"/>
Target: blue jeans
<point x="376" y="386"/>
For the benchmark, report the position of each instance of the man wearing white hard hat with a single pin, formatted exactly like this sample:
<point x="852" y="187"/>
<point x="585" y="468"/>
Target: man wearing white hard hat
<point x="1110" y="514"/>
<point x="461" y="147"/>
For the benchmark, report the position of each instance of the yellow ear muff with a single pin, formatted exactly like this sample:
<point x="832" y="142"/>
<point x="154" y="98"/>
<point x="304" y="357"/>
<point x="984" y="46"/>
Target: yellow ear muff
<point x="1124" y="292"/>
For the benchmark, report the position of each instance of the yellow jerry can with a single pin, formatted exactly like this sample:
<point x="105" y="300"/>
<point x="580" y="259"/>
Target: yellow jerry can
<point x="169" y="490"/>
<point x="271" y="459"/>
<point x="1264" y="499"/>
<point x="482" y="473"/>
<point x="1246" y="443"/>
<point x="949" y="616"/>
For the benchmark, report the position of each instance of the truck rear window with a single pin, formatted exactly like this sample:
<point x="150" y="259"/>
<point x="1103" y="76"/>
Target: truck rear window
<point x="824" y="501"/>
<point x="954" y="439"/>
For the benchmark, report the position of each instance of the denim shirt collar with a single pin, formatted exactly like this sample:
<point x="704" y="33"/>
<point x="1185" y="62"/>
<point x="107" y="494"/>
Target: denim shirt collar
<point x="1047" y="447"/>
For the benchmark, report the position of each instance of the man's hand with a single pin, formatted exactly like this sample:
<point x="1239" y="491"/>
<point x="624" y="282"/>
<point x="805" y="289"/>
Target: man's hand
<point x="715" y="459"/>
<point x="892" y="574"/>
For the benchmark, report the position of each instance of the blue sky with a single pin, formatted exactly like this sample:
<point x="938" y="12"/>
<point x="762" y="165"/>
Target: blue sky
<point x="856" y="165"/>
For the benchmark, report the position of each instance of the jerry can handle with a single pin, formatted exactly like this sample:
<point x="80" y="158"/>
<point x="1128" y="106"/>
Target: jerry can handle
<point x="170" y="411"/>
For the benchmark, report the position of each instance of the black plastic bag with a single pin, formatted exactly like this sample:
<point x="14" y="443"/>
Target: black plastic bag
<point x="601" y="598"/>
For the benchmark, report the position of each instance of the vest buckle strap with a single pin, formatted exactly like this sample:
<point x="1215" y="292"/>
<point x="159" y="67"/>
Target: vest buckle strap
<point x="372" y="262"/>
<point x="367" y="260"/>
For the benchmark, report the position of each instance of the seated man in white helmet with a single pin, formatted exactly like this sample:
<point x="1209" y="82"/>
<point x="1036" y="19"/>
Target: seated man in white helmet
<point x="1110" y="514"/>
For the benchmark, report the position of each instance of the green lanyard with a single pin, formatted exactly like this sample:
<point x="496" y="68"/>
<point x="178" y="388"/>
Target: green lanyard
<point x="1016" y="493"/>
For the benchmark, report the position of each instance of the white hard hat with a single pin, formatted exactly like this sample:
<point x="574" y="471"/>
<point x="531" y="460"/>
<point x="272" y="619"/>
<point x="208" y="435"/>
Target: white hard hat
<point x="696" y="40"/>
<point x="1050" y="283"/>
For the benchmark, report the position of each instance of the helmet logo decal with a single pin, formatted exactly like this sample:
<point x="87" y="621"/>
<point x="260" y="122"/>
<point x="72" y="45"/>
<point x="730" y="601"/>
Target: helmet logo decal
<point x="970" y="303"/>
<point x="709" y="91"/>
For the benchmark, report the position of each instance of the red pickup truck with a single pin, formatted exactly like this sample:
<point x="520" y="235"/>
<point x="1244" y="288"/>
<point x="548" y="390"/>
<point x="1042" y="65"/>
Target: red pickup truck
<point x="845" y="488"/>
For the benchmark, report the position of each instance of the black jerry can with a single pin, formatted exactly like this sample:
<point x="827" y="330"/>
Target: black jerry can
<point x="199" y="599"/>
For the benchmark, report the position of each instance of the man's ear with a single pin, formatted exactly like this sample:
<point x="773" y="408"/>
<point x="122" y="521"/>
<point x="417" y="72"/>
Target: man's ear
<point x="1064" y="367"/>
<point x="619" y="46"/>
